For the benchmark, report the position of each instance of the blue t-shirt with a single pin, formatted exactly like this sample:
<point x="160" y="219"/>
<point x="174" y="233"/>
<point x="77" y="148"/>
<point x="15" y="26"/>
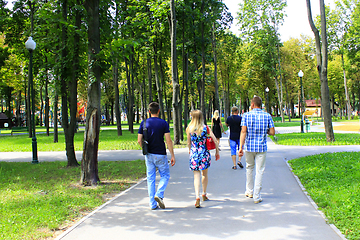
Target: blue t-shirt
<point x="234" y="122"/>
<point x="156" y="129"/>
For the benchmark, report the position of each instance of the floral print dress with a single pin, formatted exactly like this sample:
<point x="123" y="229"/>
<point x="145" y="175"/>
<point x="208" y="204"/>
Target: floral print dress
<point x="200" y="157"/>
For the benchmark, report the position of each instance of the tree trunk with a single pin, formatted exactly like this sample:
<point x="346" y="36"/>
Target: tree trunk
<point x="47" y="103"/>
<point x="287" y="101"/>
<point x="186" y="79"/>
<point x="162" y="76"/>
<point x="55" y="117"/>
<point x="202" y="82"/>
<point x="129" y="78"/>
<point x="348" y="106"/>
<point x="41" y="106"/>
<point x="159" y="86"/>
<point x="116" y="78"/>
<point x="174" y="74"/>
<point x="216" y="100"/>
<point x="89" y="163"/>
<point x="68" y="95"/>
<point x="117" y="100"/>
<point x="28" y="110"/>
<point x="322" y="61"/>
<point x="149" y="78"/>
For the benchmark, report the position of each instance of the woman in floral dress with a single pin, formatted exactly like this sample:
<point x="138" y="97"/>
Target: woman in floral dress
<point x="200" y="157"/>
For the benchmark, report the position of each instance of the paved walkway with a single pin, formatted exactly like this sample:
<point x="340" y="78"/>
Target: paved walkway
<point x="285" y="213"/>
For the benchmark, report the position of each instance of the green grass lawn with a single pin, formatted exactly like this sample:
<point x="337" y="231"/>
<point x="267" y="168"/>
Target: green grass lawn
<point x="34" y="206"/>
<point x="109" y="140"/>
<point x="332" y="181"/>
<point x="316" y="139"/>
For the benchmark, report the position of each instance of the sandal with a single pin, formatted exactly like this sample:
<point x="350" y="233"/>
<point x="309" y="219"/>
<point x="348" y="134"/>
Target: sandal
<point x="205" y="198"/>
<point x="197" y="203"/>
<point x="240" y="164"/>
<point x="234" y="167"/>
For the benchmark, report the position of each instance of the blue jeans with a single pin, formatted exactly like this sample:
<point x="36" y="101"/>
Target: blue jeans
<point x="234" y="146"/>
<point x="154" y="161"/>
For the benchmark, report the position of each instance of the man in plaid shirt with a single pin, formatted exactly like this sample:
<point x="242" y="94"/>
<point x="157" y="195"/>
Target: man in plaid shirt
<point x="255" y="124"/>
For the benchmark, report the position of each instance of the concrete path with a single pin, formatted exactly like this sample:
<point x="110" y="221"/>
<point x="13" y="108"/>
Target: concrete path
<point x="285" y="213"/>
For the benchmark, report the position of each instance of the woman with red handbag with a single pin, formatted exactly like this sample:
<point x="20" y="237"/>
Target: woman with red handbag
<point x="200" y="157"/>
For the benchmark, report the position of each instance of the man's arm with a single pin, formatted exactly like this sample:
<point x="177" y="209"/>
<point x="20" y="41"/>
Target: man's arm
<point x="271" y="131"/>
<point x="242" y="140"/>
<point x="170" y="147"/>
<point x="140" y="136"/>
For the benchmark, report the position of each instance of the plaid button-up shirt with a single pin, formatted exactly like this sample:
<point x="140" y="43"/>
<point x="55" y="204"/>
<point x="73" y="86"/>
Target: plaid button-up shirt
<point x="258" y="123"/>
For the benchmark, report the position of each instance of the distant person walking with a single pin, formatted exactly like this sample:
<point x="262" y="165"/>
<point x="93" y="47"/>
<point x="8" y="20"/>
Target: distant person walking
<point x="256" y="124"/>
<point x="157" y="128"/>
<point x="217" y="126"/>
<point x="200" y="158"/>
<point x="234" y="122"/>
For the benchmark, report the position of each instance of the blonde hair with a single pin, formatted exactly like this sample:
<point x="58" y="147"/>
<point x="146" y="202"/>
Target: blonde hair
<point x="216" y="114"/>
<point x="197" y="122"/>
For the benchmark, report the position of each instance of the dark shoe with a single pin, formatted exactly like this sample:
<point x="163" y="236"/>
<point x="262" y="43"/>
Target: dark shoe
<point x="234" y="167"/>
<point x="240" y="165"/>
<point x="155" y="207"/>
<point x="160" y="202"/>
<point x="197" y="203"/>
<point x="205" y="198"/>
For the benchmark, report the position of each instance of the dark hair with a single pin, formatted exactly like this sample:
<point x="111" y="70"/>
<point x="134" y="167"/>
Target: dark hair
<point x="257" y="101"/>
<point x="154" y="107"/>
<point x="234" y="109"/>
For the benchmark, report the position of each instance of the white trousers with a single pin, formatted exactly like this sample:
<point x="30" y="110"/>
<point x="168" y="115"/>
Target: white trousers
<point x="253" y="159"/>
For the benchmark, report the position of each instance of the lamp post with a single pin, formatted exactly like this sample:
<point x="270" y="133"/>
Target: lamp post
<point x="31" y="45"/>
<point x="267" y="99"/>
<point x="301" y="74"/>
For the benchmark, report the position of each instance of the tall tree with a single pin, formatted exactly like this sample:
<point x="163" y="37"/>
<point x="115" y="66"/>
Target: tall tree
<point x="322" y="64"/>
<point x="174" y="74"/>
<point x="89" y="163"/>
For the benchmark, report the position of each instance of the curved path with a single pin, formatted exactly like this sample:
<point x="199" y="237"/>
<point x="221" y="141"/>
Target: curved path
<point x="285" y="213"/>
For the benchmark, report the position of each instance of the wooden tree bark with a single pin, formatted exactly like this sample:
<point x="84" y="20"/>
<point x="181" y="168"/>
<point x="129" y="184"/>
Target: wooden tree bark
<point x="68" y="95"/>
<point x="47" y="103"/>
<point x="130" y="88"/>
<point x="89" y="163"/>
<point x="174" y="73"/>
<point x="117" y="100"/>
<point x="216" y="100"/>
<point x="159" y="86"/>
<point x="322" y="61"/>
<point x="149" y="79"/>
<point x="202" y="82"/>
<point x="116" y="78"/>
<point x="55" y="116"/>
<point x="348" y="106"/>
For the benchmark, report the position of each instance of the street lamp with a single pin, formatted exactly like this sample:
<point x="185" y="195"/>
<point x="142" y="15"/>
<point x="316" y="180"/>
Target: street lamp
<point x="301" y="74"/>
<point x="30" y="45"/>
<point x="267" y="98"/>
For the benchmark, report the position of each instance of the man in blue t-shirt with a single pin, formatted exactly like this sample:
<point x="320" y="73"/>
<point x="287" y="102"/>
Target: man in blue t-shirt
<point x="157" y="128"/>
<point x="234" y="122"/>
